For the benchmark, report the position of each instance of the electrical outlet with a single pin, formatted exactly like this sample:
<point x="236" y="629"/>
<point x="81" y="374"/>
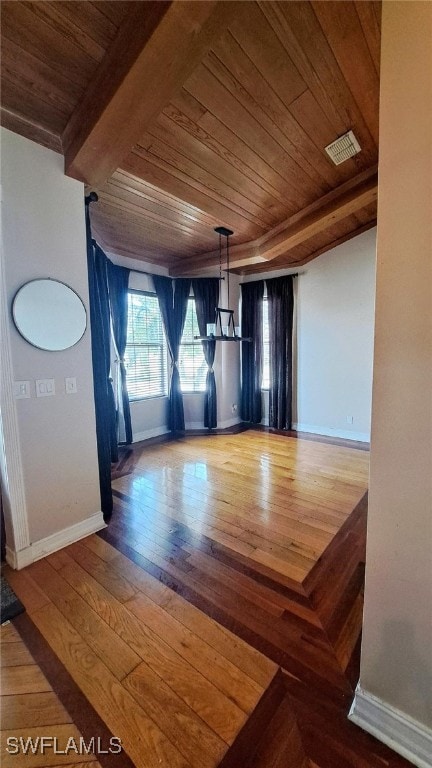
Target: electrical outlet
<point x="71" y="385"/>
<point x="21" y="390"/>
<point x="350" y="419"/>
<point x="234" y="408"/>
<point x="45" y="387"/>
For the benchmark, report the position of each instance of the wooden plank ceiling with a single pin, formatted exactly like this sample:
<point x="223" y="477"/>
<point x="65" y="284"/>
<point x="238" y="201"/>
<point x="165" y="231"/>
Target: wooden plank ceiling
<point x="188" y="115"/>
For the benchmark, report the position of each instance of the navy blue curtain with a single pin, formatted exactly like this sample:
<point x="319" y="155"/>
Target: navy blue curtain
<point x="206" y="292"/>
<point x="100" y="343"/>
<point x="118" y="283"/>
<point x="280" y="299"/>
<point x="173" y="297"/>
<point x="252" y="352"/>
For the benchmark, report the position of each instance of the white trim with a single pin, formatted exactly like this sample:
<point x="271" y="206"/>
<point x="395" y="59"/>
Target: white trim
<point x="157" y="431"/>
<point x="19" y="559"/>
<point x="229" y="423"/>
<point x="194" y="425"/>
<point x="346" y="434"/>
<point x="148" y="433"/>
<point x="407" y="737"/>
<point x="219" y="425"/>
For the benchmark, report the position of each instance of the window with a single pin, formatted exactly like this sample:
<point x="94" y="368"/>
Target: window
<point x="146" y="349"/>
<point x="192" y="364"/>
<point x="266" y="347"/>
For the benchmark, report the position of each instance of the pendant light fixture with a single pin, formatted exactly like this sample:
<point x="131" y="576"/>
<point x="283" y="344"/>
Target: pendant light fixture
<point x="223" y="328"/>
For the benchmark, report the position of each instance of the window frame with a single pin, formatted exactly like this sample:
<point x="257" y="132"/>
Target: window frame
<point x="265" y="343"/>
<point x="163" y="353"/>
<point x="195" y="344"/>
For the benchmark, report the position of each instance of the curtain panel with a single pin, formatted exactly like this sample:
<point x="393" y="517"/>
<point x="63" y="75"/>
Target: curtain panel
<point x="281" y="309"/>
<point x="206" y="292"/>
<point x="100" y="344"/>
<point x="173" y="297"/>
<point x="118" y="283"/>
<point x="252" y="352"/>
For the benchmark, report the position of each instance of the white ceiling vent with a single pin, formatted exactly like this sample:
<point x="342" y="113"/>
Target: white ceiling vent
<point x="343" y="148"/>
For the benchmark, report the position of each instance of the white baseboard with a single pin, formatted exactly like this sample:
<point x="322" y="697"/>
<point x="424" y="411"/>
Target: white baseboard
<point x="346" y="434"/>
<point x="406" y="736"/>
<point x="148" y="433"/>
<point x="192" y="425"/>
<point x="56" y="541"/>
<point x="219" y="425"/>
<point x="229" y="423"/>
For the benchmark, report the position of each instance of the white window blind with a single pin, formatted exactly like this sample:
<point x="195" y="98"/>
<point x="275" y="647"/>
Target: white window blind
<point x="266" y="347"/>
<point x="146" y="349"/>
<point x="192" y="364"/>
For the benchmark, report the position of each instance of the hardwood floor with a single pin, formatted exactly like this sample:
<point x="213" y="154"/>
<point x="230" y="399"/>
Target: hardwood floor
<point x="278" y="501"/>
<point x="228" y="558"/>
<point x="168" y="681"/>
<point x="28" y="698"/>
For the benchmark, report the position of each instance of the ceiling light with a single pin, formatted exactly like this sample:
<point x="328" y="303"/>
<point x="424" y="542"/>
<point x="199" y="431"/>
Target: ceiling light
<point x="223" y="328"/>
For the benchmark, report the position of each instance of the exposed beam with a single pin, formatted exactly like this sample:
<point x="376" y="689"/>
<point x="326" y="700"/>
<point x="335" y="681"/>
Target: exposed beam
<point x="294" y="231"/>
<point x="156" y="49"/>
<point x="323" y="249"/>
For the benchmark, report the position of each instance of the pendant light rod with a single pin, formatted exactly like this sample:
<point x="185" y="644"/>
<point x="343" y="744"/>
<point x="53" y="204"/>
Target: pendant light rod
<point x="225" y="232"/>
<point x="222" y="312"/>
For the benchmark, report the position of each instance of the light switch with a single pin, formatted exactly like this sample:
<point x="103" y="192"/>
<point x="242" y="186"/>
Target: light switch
<point x="70" y="385"/>
<point x="21" y="390"/>
<point x="45" y="387"/>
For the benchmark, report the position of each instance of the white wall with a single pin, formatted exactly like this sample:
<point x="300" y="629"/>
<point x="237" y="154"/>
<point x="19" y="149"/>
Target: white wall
<point x="43" y="235"/>
<point x="335" y="326"/>
<point x="396" y="665"/>
<point x="333" y="340"/>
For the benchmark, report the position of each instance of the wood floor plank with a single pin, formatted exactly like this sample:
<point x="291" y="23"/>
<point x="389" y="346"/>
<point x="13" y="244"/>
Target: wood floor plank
<point x="31" y="595"/>
<point x="25" y="679"/>
<point x="237" y="689"/>
<point x="14" y="654"/>
<point x="35" y="709"/>
<point x="8" y="633"/>
<point x="195" y="740"/>
<point x="100" y="547"/>
<point x="165" y="651"/>
<point x="278" y="639"/>
<point x="116" y="585"/>
<point x="115" y="653"/>
<point x="255" y="666"/>
<point x="141" y="737"/>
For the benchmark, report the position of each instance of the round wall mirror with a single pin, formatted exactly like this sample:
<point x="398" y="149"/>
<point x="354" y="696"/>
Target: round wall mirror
<point x="49" y="314"/>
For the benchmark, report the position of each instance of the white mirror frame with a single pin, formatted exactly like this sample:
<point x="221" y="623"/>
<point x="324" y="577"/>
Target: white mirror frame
<point x="49" y="314"/>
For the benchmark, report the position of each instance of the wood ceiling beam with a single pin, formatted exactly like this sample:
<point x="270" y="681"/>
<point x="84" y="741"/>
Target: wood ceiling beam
<point x="294" y="231"/>
<point x="157" y="47"/>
